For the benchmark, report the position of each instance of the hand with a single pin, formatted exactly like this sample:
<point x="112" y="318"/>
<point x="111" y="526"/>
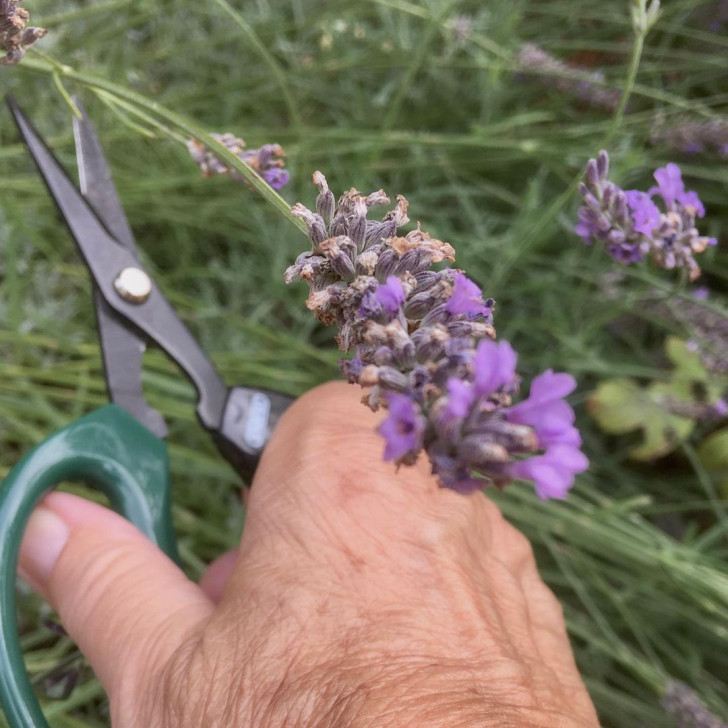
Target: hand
<point x="359" y="598"/>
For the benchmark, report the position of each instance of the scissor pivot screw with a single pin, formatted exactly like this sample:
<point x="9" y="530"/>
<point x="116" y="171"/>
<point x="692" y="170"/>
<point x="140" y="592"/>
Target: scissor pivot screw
<point x="133" y="285"/>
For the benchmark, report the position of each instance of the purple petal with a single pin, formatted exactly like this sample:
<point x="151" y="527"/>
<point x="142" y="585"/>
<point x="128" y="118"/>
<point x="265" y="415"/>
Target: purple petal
<point x="669" y="183"/>
<point x="460" y="398"/>
<point x="691" y="199"/>
<point x="402" y="429"/>
<point x="548" y="386"/>
<point x="645" y="215"/>
<point x="391" y="295"/>
<point x="550" y="480"/>
<point x="494" y="366"/>
<point x="276" y="177"/>
<point x="466" y="298"/>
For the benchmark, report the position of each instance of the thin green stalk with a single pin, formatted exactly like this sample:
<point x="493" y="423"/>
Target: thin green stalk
<point x="133" y="98"/>
<point x="268" y="58"/>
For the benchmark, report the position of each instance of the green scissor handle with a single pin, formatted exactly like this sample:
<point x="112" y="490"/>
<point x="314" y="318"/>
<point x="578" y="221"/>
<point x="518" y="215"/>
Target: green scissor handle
<point x="109" y="450"/>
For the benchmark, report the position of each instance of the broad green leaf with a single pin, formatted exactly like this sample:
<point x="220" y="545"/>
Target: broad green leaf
<point x="621" y="405"/>
<point x="713" y="453"/>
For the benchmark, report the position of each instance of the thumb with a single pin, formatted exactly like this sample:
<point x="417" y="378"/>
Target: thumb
<point x="126" y="604"/>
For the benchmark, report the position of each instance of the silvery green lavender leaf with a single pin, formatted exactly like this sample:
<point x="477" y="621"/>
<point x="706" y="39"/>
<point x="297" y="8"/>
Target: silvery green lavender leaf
<point x="423" y="345"/>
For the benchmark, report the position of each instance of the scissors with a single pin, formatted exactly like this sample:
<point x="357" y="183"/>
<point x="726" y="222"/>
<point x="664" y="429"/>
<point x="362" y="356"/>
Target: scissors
<point x="118" y="448"/>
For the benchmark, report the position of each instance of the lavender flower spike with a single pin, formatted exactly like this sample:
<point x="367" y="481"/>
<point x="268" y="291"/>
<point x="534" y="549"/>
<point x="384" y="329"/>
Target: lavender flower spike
<point x="632" y="226"/>
<point x="423" y="346"/>
<point x="266" y="161"/>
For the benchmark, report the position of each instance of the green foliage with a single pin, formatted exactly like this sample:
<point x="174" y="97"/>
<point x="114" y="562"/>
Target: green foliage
<point x="388" y="94"/>
<point x="713" y="454"/>
<point x="622" y="405"/>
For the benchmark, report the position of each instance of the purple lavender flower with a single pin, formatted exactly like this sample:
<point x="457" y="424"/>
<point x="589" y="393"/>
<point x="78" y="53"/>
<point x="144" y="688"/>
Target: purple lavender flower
<point x="645" y="215"/>
<point x="581" y="83"/>
<point x="276" y="177"/>
<point x="692" y="137"/>
<point x="402" y="429"/>
<point x="684" y="703"/>
<point x="390" y="294"/>
<point x="266" y="161"/>
<point x="553" y="473"/>
<point x="671" y="188"/>
<point x="631" y="225"/>
<point x="494" y="365"/>
<point x="422" y="345"/>
<point x="466" y="298"/>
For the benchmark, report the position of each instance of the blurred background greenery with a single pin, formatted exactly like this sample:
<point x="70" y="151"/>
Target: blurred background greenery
<point x="428" y="100"/>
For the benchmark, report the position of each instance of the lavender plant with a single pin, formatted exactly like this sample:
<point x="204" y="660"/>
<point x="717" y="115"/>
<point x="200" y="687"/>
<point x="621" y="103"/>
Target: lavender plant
<point x="266" y="161"/>
<point x="15" y="37"/>
<point x="632" y="226"/>
<point x="693" y="137"/>
<point x="423" y="345"/>
<point x="583" y="84"/>
<point x="683" y="702"/>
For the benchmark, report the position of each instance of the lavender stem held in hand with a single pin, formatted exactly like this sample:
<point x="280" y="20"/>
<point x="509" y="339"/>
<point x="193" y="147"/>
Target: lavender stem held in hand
<point x="631" y="225"/>
<point x="423" y="346"/>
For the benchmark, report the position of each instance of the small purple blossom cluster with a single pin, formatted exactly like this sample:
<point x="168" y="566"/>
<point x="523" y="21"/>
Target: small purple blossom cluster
<point x="15" y="37"/>
<point x="693" y="137"/>
<point x="585" y="85"/>
<point x="423" y="345"/>
<point x="631" y="225"/>
<point x="266" y="161"/>
<point x="685" y="705"/>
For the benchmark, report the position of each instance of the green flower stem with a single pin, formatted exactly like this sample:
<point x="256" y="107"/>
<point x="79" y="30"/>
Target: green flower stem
<point x="132" y="100"/>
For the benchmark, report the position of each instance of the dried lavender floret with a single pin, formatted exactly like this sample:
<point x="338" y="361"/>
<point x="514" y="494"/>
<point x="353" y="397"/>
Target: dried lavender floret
<point x="266" y="161"/>
<point x="422" y="344"/>
<point x="693" y="137"/>
<point x="15" y="37"/>
<point x="633" y="227"/>
<point x="683" y="702"/>
<point x="585" y="85"/>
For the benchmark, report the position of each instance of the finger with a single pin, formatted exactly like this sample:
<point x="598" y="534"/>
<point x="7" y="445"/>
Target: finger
<point x="216" y="575"/>
<point x="125" y="603"/>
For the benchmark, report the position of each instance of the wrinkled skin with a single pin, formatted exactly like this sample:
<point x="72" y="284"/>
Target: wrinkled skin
<point x="359" y="598"/>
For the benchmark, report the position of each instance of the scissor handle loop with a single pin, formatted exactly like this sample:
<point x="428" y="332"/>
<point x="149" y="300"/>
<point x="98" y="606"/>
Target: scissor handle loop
<point x="107" y="449"/>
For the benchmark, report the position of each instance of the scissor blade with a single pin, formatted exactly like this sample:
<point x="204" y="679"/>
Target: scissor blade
<point x="121" y="346"/>
<point x="105" y="259"/>
<point x="96" y="183"/>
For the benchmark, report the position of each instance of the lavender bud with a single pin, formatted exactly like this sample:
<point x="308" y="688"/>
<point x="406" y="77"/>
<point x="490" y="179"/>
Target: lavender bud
<point x="603" y="165"/>
<point x="390" y="378"/>
<point x="609" y="194"/>
<point x="480" y="452"/>
<point x="357" y="231"/>
<point x="379" y="231"/>
<point x="592" y="173"/>
<point x="589" y="198"/>
<point x="325" y="203"/>
<point x="366" y="262"/>
<point x="314" y="223"/>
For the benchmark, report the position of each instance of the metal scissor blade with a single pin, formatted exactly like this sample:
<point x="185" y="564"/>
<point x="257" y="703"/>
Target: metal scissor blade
<point x="96" y="183"/>
<point x="105" y="259"/>
<point x="122" y="347"/>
